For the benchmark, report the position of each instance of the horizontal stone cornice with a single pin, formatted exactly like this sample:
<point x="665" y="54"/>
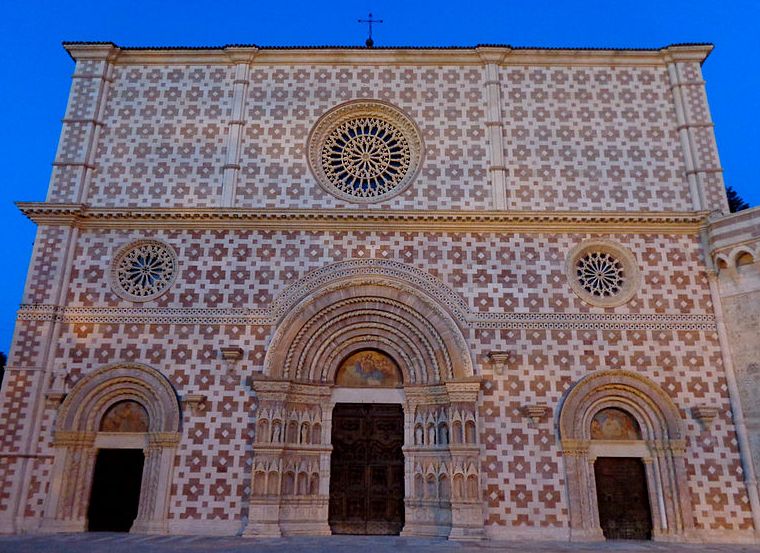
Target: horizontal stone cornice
<point x="83" y="216"/>
<point x="478" y="55"/>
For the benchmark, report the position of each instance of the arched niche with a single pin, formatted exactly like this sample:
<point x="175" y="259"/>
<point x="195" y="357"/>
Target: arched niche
<point x="642" y="423"/>
<point x="125" y="416"/>
<point x="125" y="405"/>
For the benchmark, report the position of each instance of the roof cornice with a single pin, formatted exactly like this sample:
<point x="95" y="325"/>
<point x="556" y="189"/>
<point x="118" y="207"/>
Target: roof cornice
<point x="390" y="55"/>
<point x="82" y="216"/>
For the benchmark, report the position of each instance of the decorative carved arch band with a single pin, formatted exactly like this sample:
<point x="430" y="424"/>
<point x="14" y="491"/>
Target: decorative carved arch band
<point x="356" y="269"/>
<point x="661" y="448"/>
<point x="91" y="397"/>
<point x="358" y="311"/>
<point x="76" y="444"/>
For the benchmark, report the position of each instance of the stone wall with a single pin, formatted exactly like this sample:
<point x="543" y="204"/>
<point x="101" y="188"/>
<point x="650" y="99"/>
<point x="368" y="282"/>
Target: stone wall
<point x="206" y="153"/>
<point x="735" y="249"/>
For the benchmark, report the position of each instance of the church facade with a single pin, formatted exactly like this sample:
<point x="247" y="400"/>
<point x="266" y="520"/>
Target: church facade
<point x="476" y="293"/>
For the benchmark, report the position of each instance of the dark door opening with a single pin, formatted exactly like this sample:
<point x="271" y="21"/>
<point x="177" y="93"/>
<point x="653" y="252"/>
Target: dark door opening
<point x="115" y="492"/>
<point x="367" y="469"/>
<point x="622" y="497"/>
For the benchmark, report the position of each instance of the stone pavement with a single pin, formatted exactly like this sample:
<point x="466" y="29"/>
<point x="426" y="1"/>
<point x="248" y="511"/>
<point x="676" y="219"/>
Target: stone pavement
<point x="122" y="543"/>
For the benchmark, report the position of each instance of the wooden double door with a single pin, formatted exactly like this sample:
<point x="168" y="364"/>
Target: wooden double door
<point x="367" y="469"/>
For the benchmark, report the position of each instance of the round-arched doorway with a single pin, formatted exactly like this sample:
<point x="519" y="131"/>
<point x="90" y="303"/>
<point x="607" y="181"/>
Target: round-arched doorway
<point x="365" y="352"/>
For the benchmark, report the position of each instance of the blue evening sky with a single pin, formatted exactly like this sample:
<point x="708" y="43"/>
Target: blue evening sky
<point x="36" y="71"/>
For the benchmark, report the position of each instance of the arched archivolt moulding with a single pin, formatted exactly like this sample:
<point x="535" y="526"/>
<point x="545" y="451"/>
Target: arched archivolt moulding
<point x="662" y="449"/>
<point x="77" y="439"/>
<point x="329" y="315"/>
<point x="364" y="304"/>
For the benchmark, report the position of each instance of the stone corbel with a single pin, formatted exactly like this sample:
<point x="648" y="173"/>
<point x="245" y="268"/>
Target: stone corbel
<point x="194" y="402"/>
<point x="54" y="398"/>
<point x="232" y="356"/>
<point x="704" y="414"/>
<point x="536" y="412"/>
<point x="231" y="353"/>
<point x="499" y="359"/>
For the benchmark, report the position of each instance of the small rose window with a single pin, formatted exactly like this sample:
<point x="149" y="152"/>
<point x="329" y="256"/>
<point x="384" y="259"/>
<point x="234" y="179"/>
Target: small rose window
<point x="144" y="270"/>
<point x="602" y="273"/>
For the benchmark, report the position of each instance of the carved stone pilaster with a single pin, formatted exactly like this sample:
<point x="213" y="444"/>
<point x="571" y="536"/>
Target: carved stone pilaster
<point x="242" y="58"/>
<point x="65" y="509"/>
<point x="491" y="58"/>
<point x="291" y="464"/>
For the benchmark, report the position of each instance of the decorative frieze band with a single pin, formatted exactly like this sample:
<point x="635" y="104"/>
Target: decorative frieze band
<point x="265" y="317"/>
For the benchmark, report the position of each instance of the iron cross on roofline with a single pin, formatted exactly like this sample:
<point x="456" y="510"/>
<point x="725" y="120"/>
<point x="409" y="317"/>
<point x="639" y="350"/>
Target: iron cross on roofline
<point x="369" y="42"/>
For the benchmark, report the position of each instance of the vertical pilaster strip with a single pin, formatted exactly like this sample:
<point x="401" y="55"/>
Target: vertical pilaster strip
<point x="695" y="130"/>
<point x="50" y="266"/>
<point x="683" y="135"/>
<point x="242" y="58"/>
<point x="75" y="157"/>
<point x="30" y="439"/>
<point x="491" y="58"/>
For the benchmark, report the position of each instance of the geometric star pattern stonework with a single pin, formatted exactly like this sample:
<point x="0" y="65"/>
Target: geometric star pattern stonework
<point x="208" y="250"/>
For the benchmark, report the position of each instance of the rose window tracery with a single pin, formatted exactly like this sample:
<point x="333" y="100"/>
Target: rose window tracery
<point x="600" y="274"/>
<point x="366" y="157"/>
<point x="365" y="151"/>
<point x="144" y="270"/>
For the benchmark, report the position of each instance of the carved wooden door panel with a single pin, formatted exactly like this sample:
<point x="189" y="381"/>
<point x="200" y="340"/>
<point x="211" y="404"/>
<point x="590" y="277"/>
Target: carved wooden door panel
<point x="621" y="491"/>
<point x="367" y="469"/>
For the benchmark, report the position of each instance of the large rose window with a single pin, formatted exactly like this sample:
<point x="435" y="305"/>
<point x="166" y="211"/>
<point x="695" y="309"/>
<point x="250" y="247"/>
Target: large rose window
<point x="365" y="151"/>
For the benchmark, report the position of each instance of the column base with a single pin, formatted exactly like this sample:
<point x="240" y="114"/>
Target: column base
<point x="305" y="529"/>
<point x="7" y="525"/>
<point x="586" y="534"/>
<point x="153" y="527"/>
<point x="463" y="533"/>
<point x="425" y="530"/>
<point x="262" y="530"/>
<point x="263" y="519"/>
<point x="56" y="526"/>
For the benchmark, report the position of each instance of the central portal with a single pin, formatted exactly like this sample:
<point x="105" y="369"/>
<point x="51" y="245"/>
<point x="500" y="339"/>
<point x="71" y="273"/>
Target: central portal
<point x="367" y="469"/>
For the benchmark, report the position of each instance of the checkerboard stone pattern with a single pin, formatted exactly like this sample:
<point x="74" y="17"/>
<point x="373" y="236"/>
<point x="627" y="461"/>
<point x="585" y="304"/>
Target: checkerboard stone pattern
<point x="494" y="273"/>
<point x="163" y="139"/>
<point x="575" y="138"/>
<point x="522" y="470"/>
<point x="592" y="138"/>
<point x="587" y="138"/>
